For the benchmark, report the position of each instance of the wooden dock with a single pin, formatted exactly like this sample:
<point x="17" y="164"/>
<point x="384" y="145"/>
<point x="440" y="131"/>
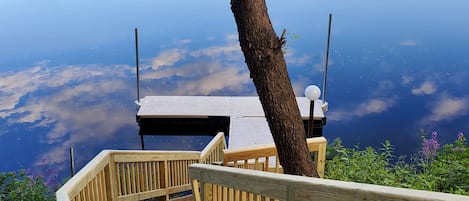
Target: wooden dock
<point x="241" y="118"/>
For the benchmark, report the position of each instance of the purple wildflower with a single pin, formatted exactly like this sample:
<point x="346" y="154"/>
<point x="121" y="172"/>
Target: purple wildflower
<point x="460" y="142"/>
<point x="460" y="135"/>
<point x="430" y="146"/>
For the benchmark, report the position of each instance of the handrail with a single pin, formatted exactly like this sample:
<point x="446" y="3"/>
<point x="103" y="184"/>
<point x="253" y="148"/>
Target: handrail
<point x="96" y="172"/>
<point x="233" y="184"/>
<point x="264" y="157"/>
<point x="136" y="175"/>
<point x="213" y="152"/>
<point x="131" y="175"/>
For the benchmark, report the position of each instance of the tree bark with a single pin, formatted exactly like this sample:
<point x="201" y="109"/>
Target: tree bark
<point x="263" y="54"/>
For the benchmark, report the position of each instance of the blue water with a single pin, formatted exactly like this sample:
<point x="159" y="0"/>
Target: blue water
<point x="67" y="75"/>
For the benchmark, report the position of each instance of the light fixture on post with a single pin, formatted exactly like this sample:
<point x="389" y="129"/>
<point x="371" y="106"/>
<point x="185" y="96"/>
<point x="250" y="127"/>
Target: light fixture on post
<point x="312" y="92"/>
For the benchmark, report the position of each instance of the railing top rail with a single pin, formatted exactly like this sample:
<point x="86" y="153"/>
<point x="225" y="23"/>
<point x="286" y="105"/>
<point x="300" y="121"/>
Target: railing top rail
<point x="314" y="142"/>
<point x="154" y="156"/>
<point x="278" y="186"/>
<point x="263" y="150"/>
<point x="148" y="152"/>
<point x="219" y="137"/>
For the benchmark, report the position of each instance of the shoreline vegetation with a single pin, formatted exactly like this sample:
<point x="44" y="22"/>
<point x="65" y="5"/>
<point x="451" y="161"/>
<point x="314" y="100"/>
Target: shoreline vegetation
<point x="435" y="168"/>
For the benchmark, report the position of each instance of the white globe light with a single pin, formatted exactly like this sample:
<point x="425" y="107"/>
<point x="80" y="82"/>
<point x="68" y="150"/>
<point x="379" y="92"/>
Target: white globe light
<point x="312" y="92"/>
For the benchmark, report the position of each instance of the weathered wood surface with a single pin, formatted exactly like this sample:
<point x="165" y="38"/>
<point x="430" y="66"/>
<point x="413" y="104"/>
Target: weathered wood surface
<point x="258" y="185"/>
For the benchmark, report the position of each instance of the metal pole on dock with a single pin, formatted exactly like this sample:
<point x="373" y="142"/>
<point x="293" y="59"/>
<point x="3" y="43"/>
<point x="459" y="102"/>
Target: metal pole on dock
<point x="72" y="162"/>
<point x="327" y="60"/>
<point x="137" y="64"/>
<point x="142" y="142"/>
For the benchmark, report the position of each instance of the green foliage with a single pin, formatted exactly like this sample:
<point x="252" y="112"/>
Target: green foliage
<point x="447" y="171"/>
<point x="20" y="186"/>
<point x="289" y="35"/>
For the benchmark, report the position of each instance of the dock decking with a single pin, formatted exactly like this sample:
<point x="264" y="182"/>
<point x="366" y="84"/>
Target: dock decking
<point x="241" y="117"/>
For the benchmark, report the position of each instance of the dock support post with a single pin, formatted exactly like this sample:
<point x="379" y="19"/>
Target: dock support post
<point x="137" y="65"/>
<point x="72" y="162"/>
<point x="142" y="142"/>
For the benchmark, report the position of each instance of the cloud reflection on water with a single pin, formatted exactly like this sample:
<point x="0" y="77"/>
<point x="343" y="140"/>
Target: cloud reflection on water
<point x="77" y="104"/>
<point x="447" y="108"/>
<point x="89" y="105"/>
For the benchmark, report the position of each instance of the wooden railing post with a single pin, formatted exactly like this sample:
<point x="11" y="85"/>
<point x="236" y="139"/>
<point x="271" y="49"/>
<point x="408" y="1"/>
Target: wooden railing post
<point x="195" y="190"/>
<point x="321" y="159"/>
<point x="111" y="173"/>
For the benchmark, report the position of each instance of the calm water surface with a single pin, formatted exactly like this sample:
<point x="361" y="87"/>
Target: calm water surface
<point x="67" y="75"/>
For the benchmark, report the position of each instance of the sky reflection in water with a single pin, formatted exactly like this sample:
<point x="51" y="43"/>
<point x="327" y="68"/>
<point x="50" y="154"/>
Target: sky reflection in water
<point x="67" y="74"/>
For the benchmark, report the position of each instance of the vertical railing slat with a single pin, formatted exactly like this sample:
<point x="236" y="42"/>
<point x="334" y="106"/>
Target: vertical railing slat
<point x="147" y="183"/>
<point x="134" y="186"/>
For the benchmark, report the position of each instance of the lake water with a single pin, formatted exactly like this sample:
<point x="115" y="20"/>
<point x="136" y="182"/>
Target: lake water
<point x="67" y="75"/>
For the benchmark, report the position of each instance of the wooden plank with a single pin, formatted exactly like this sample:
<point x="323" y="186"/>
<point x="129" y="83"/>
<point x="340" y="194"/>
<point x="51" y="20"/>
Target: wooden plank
<point x="139" y="156"/>
<point x="137" y="177"/>
<point x="321" y="159"/>
<point x="183" y="198"/>
<point x="195" y="190"/>
<point x="177" y="189"/>
<point x="151" y="176"/>
<point x="147" y="177"/>
<point x="225" y="194"/>
<point x="203" y="106"/>
<point x="142" y="195"/>
<point x="207" y="191"/>
<point x="231" y="179"/>
<point x="282" y="187"/>
<point x="220" y="192"/>
<point x="315" y="142"/>
<point x="266" y="150"/>
<point x="250" y="152"/>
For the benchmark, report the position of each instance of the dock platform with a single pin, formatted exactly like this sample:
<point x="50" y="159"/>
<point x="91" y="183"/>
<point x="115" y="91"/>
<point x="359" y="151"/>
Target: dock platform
<point x="240" y="117"/>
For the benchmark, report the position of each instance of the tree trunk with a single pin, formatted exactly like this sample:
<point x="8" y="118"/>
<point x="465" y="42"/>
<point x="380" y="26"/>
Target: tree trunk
<point x="264" y="56"/>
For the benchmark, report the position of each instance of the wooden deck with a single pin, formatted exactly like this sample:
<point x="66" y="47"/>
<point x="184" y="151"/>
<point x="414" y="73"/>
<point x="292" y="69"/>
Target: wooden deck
<point x="138" y="175"/>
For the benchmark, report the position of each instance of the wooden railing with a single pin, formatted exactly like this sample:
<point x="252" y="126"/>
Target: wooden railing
<point x="213" y="152"/>
<point x="216" y="183"/>
<point x="265" y="158"/>
<point x="138" y="175"/>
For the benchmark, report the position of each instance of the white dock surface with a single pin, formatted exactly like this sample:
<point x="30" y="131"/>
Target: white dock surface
<point x="248" y="125"/>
